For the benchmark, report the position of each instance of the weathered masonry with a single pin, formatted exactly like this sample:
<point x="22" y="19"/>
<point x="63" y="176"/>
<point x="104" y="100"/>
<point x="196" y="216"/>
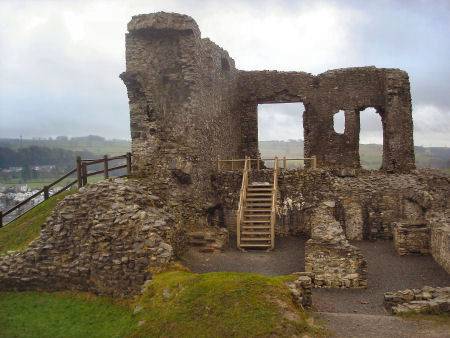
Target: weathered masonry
<point x="189" y="103"/>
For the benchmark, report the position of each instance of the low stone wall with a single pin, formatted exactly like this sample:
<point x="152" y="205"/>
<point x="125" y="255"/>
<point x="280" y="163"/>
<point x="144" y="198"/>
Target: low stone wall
<point x="440" y="244"/>
<point x="411" y="238"/>
<point x="301" y="289"/>
<point x="105" y="238"/>
<point x="329" y="256"/>
<point x="425" y="300"/>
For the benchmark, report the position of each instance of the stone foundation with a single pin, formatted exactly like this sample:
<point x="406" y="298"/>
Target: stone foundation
<point x="106" y="239"/>
<point x="426" y="300"/>
<point x="412" y="238"/>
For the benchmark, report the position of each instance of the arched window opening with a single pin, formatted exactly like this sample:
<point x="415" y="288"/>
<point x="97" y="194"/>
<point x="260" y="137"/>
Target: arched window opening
<point x="370" y="139"/>
<point x="280" y="131"/>
<point x="339" y="122"/>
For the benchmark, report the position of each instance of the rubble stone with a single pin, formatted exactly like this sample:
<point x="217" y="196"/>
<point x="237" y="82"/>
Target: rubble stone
<point x="425" y="300"/>
<point x="116" y="232"/>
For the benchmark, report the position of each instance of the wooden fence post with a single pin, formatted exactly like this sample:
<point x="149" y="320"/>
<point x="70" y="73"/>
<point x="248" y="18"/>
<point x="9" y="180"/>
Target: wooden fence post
<point x="218" y="162"/>
<point x="314" y="162"/>
<point x="284" y="163"/>
<point x="79" y="174"/>
<point x="105" y="170"/>
<point x="1" y="218"/>
<point x="128" y="164"/>
<point x="46" y="194"/>
<point x="84" y="173"/>
<point x="258" y="164"/>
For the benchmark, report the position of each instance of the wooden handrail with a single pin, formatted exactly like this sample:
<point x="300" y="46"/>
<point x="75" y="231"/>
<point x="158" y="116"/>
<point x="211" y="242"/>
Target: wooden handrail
<point x="274" y="203"/>
<point x="242" y="197"/>
<point x="285" y="161"/>
<point x="82" y="175"/>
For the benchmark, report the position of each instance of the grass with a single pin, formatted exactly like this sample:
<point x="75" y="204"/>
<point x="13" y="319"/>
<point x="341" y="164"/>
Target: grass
<point x="175" y="304"/>
<point x="41" y="315"/>
<point x="20" y="232"/>
<point x="223" y="304"/>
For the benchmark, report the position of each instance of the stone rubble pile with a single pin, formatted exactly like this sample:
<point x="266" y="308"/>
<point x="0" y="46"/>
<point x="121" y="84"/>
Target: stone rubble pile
<point x="432" y="300"/>
<point x="105" y="238"/>
<point x="301" y="289"/>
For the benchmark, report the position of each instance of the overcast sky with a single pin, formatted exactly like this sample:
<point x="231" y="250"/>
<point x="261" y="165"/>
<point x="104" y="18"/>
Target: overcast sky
<point x="60" y="61"/>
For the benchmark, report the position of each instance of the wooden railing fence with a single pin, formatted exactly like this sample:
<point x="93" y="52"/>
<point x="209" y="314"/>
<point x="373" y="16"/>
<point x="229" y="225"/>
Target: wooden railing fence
<point x="273" y="213"/>
<point x="82" y="174"/>
<point x="256" y="163"/>
<point x="242" y="197"/>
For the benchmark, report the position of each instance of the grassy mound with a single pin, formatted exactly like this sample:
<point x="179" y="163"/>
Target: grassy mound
<point x="33" y="314"/>
<point x="184" y="304"/>
<point x="19" y="233"/>
<point x="175" y="304"/>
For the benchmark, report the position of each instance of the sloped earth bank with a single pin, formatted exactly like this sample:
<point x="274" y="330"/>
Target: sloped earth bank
<point x="346" y="312"/>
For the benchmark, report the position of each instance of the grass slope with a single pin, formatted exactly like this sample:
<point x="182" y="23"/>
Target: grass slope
<point x="175" y="304"/>
<point x="20" y="232"/>
<point x="41" y="315"/>
<point x="223" y="304"/>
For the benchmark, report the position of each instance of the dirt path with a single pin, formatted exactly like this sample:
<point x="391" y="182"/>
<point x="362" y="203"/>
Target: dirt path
<point x="345" y="325"/>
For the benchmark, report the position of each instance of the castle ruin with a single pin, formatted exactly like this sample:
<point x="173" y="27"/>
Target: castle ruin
<point x="189" y="106"/>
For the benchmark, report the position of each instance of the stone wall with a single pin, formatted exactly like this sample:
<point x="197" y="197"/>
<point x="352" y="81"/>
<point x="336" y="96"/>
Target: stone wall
<point x="440" y="240"/>
<point x="367" y="204"/>
<point x="411" y="238"/>
<point x="189" y="105"/>
<point x="181" y="91"/>
<point x="351" y="90"/>
<point x="105" y="238"/>
<point x="329" y="255"/>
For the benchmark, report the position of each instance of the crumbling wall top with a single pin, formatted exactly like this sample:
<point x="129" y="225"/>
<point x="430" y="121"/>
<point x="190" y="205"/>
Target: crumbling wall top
<point x="163" y="21"/>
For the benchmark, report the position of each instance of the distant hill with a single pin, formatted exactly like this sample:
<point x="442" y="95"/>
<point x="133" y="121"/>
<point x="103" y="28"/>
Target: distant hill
<point x="431" y="157"/>
<point x="370" y="154"/>
<point x="94" y="144"/>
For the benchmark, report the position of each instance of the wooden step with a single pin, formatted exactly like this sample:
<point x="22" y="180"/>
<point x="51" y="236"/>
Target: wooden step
<point x="260" y="199"/>
<point x="251" y="245"/>
<point x="255" y="233"/>
<point x="257" y="221"/>
<point x="268" y="210"/>
<point x="268" y="190"/>
<point x="255" y="239"/>
<point x="256" y="215"/>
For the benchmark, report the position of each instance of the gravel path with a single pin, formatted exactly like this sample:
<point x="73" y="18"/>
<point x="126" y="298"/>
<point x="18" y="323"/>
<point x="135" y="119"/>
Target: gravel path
<point x="387" y="271"/>
<point x="288" y="257"/>
<point x="347" y="325"/>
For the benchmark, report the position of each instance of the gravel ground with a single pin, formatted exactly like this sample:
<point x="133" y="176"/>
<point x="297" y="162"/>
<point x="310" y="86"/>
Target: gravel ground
<point x="386" y="272"/>
<point x="348" y="325"/>
<point x="288" y="257"/>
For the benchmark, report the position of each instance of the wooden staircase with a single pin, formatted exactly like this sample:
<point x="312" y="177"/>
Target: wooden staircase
<point x="257" y="212"/>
